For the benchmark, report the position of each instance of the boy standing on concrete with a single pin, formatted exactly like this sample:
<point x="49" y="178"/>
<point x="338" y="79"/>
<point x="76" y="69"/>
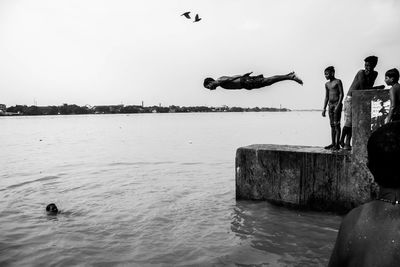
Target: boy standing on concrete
<point x="333" y="97"/>
<point x="364" y="79"/>
<point x="392" y="79"/>
<point x="369" y="234"/>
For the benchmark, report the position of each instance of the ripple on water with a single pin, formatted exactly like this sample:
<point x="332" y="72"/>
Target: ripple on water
<point x="42" y="179"/>
<point x="138" y="163"/>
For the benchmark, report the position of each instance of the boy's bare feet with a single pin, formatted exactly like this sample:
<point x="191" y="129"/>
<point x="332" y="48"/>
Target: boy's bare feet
<point x="295" y="78"/>
<point x="329" y="146"/>
<point x="347" y="147"/>
<point x="342" y="144"/>
<point x="336" y="148"/>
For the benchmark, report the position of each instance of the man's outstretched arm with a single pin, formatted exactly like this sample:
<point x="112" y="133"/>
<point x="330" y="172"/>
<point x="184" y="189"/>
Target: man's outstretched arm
<point x="239" y="76"/>
<point x="247" y="74"/>
<point x="233" y="78"/>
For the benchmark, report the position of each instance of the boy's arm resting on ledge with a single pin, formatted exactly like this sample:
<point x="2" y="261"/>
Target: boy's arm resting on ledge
<point x="377" y="87"/>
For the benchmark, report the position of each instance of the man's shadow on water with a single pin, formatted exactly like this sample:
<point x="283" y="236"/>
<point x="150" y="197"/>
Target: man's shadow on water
<point x="260" y="222"/>
<point x="283" y="231"/>
<point x="260" y="233"/>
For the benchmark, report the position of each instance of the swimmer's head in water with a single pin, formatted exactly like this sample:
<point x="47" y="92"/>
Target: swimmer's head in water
<point x="52" y="208"/>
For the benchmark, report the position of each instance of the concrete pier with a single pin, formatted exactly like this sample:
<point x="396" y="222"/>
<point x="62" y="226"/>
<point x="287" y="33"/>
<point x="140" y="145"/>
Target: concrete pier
<point x="312" y="177"/>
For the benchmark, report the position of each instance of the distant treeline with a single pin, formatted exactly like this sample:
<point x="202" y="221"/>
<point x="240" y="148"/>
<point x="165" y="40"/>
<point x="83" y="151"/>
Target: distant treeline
<point x="67" y="109"/>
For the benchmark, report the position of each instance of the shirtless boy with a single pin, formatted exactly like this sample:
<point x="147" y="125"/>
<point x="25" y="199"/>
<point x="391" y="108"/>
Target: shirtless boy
<point x="392" y="79"/>
<point x="369" y="234"/>
<point x="248" y="82"/>
<point x="364" y="79"/>
<point x="333" y="97"/>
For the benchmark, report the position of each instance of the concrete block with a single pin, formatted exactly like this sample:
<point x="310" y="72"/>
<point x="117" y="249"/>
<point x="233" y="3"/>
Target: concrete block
<point x="312" y="177"/>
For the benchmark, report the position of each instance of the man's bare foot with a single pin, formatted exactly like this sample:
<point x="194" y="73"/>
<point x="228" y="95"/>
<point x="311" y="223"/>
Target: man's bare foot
<point x="347" y="147"/>
<point x="329" y="146"/>
<point x="341" y="143"/>
<point x="295" y="78"/>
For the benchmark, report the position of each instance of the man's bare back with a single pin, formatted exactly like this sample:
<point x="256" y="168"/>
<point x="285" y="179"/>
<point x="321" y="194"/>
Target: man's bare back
<point x="368" y="235"/>
<point x="396" y="93"/>
<point x="394" y="111"/>
<point x="232" y="82"/>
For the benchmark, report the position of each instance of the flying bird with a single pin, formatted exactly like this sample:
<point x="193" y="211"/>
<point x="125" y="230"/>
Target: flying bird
<point x="186" y="14"/>
<point x="197" y="18"/>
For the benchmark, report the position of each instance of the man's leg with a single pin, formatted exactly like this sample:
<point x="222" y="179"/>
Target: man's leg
<point x="348" y="139"/>
<point x="337" y="136"/>
<point x="337" y="116"/>
<point x="278" y="78"/>
<point x="333" y="135"/>
<point x="344" y="134"/>
<point x="333" y="128"/>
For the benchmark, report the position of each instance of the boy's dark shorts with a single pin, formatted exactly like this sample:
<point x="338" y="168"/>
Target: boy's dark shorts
<point x="334" y="117"/>
<point x="252" y="82"/>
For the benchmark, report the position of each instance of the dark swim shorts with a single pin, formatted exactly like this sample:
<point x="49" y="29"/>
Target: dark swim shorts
<point x="334" y="117"/>
<point x="252" y="82"/>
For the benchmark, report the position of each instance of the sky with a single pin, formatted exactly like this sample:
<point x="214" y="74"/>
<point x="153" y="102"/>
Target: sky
<point x="98" y="52"/>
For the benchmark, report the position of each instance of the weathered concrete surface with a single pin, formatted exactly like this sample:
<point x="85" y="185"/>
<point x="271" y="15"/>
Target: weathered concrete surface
<point x="312" y="177"/>
<point x="361" y="120"/>
<point x="308" y="177"/>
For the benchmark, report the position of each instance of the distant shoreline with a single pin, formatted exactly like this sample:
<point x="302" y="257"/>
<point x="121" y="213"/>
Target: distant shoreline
<point x="312" y="110"/>
<point x="66" y="109"/>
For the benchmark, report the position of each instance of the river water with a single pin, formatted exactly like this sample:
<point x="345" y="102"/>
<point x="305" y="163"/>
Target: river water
<point x="151" y="190"/>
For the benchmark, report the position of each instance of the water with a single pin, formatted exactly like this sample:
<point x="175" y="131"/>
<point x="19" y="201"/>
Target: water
<point x="151" y="190"/>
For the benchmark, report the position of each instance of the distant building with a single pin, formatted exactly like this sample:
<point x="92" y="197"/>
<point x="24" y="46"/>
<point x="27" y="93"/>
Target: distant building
<point x="3" y="108"/>
<point x="108" y="109"/>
